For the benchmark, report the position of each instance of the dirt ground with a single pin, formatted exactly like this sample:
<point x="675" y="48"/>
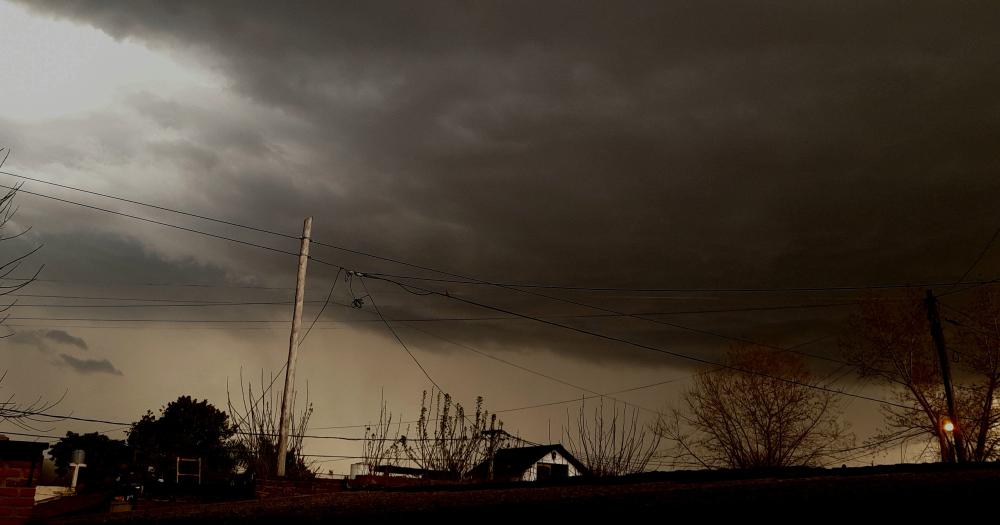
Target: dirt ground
<point x="854" y="494"/>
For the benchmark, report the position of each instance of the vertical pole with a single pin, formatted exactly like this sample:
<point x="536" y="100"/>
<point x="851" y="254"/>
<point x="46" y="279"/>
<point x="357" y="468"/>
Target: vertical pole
<point x="938" y="334"/>
<point x="293" y="347"/>
<point x="76" y="474"/>
<point x="492" y="447"/>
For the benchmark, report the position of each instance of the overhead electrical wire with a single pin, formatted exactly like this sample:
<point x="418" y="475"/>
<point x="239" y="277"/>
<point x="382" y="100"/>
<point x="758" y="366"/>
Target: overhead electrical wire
<point x="465" y="279"/>
<point x="166" y="285"/>
<point x="656" y="349"/>
<point x="459" y="278"/>
<point x="479" y="282"/>
<point x="643" y="317"/>
<point x="145" y="204"/>
<point x="263" y="394"/>
<point x="398" y="339"/>
<point x="979" y="257"/>
<point x="577" y="399"/>
<point x="152" y="221"/>
<point x="526" y="369"/>
<point x="107" y="298"/>
<point x="175" y="303"/>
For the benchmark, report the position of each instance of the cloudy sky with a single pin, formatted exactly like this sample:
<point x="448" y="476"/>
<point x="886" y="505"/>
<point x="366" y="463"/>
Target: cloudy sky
<point x="668" y="145"/>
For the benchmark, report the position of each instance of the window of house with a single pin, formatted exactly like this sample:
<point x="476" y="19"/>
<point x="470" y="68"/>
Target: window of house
<point x="547" y="471"/>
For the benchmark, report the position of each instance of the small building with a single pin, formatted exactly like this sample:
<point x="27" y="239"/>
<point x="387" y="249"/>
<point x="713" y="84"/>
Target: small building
<point x="20" y="467"/>
<point x="538" y="463"/>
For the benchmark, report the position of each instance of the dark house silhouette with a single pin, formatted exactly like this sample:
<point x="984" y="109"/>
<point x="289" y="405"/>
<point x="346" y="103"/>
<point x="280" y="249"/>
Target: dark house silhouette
<point x="538" y="463"/>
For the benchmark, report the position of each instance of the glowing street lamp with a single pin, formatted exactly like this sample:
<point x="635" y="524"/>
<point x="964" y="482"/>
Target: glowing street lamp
<point x="949" y="426"/>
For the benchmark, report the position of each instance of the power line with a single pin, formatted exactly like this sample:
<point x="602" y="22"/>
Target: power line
<point x="138" y="320"/>
<point x="107" y="298"/>
<point x="479" y="282"/>
<point x="181" y="303"/>
<point x="970" y="287"/>
<point x="169" y="285"/>
<point x="465" y="279"/>
<point x="642" y="317"/>
<point x="152" y="221"/>
<point x="153" y="206"/>
<point x="583" y="398"/>
<point x="979" y="258"/>
<point x="122" y="423"/>
<point x="139" y="327"/>
<point x="64" y="416"/>
<point x="326" y="301"/>
<point x="640" y="387"/>
<point x="395" y="335"/>
<point x="525" y="369"/>
<point x="458" y="278"/>
<point x="651" y="348"/>
<point x="275" y="377"/>
<point x="539" y="405"/>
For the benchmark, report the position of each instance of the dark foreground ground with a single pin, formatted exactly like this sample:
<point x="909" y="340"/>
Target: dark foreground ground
<point x="927" y="493"/>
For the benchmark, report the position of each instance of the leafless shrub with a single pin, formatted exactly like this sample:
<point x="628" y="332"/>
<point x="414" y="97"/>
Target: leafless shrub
<point x="614" y="444"/>
<point x="448" y="440"/>
<point x="255" y="443"/>
<point x="382" y="446"/>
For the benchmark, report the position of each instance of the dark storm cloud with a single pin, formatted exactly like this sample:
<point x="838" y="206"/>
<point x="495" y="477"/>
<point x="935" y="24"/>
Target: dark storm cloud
<point x="63" y="337"/>
<point x="90" y="366"/>
<point x="705" y="144"/>
<point x="40" y="339"/>
<point x="79" y="259"/>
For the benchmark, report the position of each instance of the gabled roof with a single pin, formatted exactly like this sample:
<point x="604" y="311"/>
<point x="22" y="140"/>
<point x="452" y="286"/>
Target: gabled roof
<point x="514" y="461"/>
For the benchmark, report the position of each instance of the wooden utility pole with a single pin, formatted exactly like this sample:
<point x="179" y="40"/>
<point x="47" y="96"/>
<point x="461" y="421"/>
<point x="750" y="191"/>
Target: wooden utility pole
<point x="938" y="334"/>
<point x="293" y="347"/>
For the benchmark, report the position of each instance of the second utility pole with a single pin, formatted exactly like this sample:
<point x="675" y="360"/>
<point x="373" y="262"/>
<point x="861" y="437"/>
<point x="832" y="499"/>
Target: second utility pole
<point x="293" y="347"/>
<point x="938" y="334"/>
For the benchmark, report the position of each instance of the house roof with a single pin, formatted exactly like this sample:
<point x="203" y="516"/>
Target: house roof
<point x="514" y="461"/>
<point x="21" y="450"/>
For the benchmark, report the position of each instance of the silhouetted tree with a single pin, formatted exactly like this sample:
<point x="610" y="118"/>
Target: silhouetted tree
<point x="759" y="413"/>
<point x="186" y="428"/>
<point x="21" y="414"/>
<point x="106" y="458"/>
<point x="979" y="412"/>
<point x="889" y="340"/>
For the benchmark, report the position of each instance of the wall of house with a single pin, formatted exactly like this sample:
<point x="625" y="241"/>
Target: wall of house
<point x="532" y="473"/>
<point x="279" y="488"/>
<point x="17" y="490"/>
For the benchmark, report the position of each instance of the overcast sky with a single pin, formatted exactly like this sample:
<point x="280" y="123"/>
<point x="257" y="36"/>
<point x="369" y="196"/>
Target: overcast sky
<point x="628" y="144"/>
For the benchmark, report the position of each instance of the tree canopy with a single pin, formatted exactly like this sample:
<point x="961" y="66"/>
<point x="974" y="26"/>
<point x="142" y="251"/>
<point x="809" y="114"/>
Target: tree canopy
<point x="186" y="428"/>
<point x="758" y="413"/>
<point x="105" y="457"/>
